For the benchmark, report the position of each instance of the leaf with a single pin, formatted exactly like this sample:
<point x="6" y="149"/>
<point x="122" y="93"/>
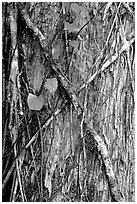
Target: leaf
<point x="38" y="75"/>
<point x="47" y="182"/>
<point x="70" y="27"/>
<point x="56" y="51"/>
<point x="75" y="7"/>
<point x="83" y="74"/>
<point x="74" y="44"/>
<point x="79" y="65"/>
<point x="51" y="85"/>
<point x="66" y="5"/>
<point x="35" y="102"/>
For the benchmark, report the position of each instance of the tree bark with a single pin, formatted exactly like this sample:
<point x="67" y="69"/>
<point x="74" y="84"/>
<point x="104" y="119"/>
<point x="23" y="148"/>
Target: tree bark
<point x="79" y="58"/>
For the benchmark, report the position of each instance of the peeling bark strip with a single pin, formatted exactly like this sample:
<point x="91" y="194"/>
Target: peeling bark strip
<point x="101" y="146"/>
<point x="30" y="24"/>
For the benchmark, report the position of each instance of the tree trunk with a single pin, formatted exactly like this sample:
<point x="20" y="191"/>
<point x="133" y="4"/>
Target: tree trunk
<point x="68" y="102"/>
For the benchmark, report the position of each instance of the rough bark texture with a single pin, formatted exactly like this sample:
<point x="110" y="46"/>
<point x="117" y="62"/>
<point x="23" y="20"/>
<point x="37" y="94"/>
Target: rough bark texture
<point x="79" y="58"/>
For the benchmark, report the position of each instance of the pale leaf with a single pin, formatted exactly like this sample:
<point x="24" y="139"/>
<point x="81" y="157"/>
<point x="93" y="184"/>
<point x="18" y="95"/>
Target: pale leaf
<point x="75" y="7"/>
<point x="66" y="5"/>
<point x="38" y="76"/>
<point x="56" y="51"/>
<point x="70" y="27"/>
<point x="35" y="102"/>
<point x="51" y="85"/>
<point x="83" y="74"/>
<point x="47" y="182"/>
<point x="74" y="44"/>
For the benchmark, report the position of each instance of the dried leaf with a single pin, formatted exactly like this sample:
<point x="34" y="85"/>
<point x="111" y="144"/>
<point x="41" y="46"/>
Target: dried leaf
<point x="35" y="102"/>
<point x="51" y="85"/>
<point x="79" y="65"/>
<point x="66" y="5"/>
<point x="74" y="44"/>
<point x="83" y="74"/>
<point x="75" y="7"/>
<point x="38" y="75"/>
<point x="47" y="182"/>
<point x="70" y="27"/>
<point x="56" y="51"/>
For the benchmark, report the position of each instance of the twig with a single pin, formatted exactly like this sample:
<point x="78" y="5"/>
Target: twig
<point x="71" y="130"/>
<point x="28" y="145"/>
<point x="17" y="167"/>
<point x="82" y="122"/>
<point x="44" y="126"/>
<point x="93" y="16"/>
<point x="14" y="188"/>
<point x="128" y="8"/>
<point x="123" y="37"/>
<point x="108" y="62"/>
<point x="107" y="162"/>
<point x="37" y="32"/>
<point x="41" y="137"/>
<point x="13" y="75"/>
<point x="100" y="143"/>
<point x="32" y="152"/>
<point x="8" y="175"/>
<point x="112" y="25"/>
<point x="66" y="35"/>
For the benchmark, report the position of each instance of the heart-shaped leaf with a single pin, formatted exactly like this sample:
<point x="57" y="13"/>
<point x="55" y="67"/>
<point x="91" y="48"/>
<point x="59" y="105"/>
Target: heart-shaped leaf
<point x="35" y="102"/>
<point x="51" y="85"/>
